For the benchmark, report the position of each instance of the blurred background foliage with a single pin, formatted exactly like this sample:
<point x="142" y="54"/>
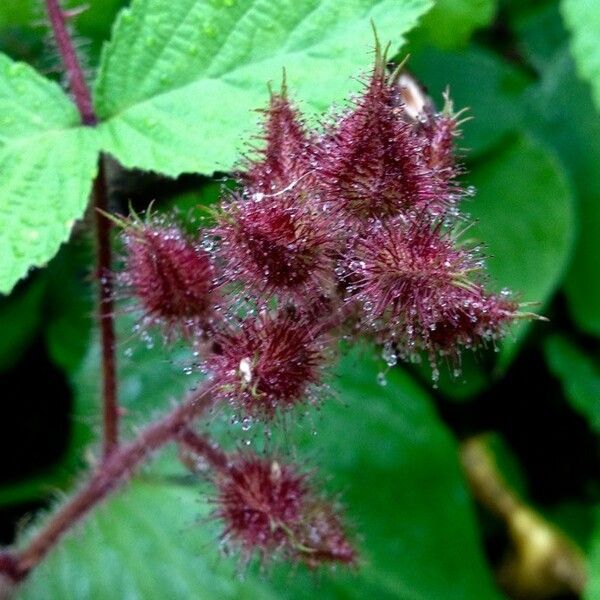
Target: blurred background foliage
<point x="423" y="469"/>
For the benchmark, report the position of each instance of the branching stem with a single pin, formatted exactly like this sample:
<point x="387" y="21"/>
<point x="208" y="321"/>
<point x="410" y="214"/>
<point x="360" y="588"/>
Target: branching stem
<point x="83" y="100"/>
<point x="204" y="448"/>
<point x="112" y="473"/>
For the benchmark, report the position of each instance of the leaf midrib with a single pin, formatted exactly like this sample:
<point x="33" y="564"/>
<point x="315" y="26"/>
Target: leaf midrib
<point x="17" y="142"/>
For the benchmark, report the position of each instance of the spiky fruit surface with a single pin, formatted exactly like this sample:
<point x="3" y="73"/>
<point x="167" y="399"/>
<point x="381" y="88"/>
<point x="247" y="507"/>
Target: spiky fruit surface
<point x="278" y="246"/>
<point x="416" y="284"/>
<point x="439" y="132"/>
<point x="170" y="275"/>
<point x="360" y="211"/>
<point x="268" y="507"/>
<point x="268" y="363"/>
<point x="371" y="164"/>
<point x="287" y="148"/>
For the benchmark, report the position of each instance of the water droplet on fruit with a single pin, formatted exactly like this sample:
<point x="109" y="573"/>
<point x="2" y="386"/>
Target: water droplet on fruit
<point x="389" y="355"/>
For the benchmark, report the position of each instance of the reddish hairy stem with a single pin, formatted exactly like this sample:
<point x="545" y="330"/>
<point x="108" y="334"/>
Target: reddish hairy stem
<point x="83" y="100"/>
<point x="203" y="447"/>
<point x="9" y="566"/>
<point x="105" y="314"/>
<point x="110" y="475"/>
<point x="77" y="83"/>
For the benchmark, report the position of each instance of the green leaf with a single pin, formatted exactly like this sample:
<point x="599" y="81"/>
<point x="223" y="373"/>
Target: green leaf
<point x="17" y="12"/>
<point x="562" y="113"/>
<point x="592" y="590"/>
<point x="541" y="34"/>
<point x="25" y="28"/>
<point x="450" y="23"/>
<point x="525" y="219"/>
<point x="190" y="206"/>
<point x="69" y="305"/>
<point x="47" y="164"/>
<point x="37" y="487"/>
<point x="579" y="375"/>
<point x="491" y="88"/>
<point x="149" y="377"/>
<point x="573" y="517"/>
<point x="384" y="446"/>
<point x="177" y="83"/>
<point x="93" y="22"/>
<point x="583" y="20"/>
<point x="59" y="303"/>
<point x="150" y="374"/>
<point x="96" y="20"/>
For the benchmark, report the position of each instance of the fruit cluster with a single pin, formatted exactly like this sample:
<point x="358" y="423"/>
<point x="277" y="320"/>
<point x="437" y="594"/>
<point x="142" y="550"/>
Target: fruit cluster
<point x="349" y="230"/>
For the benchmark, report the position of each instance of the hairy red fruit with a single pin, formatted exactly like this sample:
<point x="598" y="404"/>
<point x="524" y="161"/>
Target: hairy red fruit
<point x="268" y="363"/>
<point x="285" y="155"/>
<point x="169" y="274"/>
<point x="277" y="245"/>
<point x="415" y="284"/>
<point x="439" y="131"/>
<point x="372" y="163"/>
<point x="480" y="318"/>
<point x="268" y="507"/>
<point x="323" y="537"/>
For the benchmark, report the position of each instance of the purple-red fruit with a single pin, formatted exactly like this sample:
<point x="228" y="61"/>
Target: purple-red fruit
<point x="268" y="363"/>
<point x="372" y="163"/>
<point x="170" y="275"/>
<point x="268" y="507"/>
<point x="417" y="285"/>
<point x="287" y="146"/>
<point x="277" y="245"/>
